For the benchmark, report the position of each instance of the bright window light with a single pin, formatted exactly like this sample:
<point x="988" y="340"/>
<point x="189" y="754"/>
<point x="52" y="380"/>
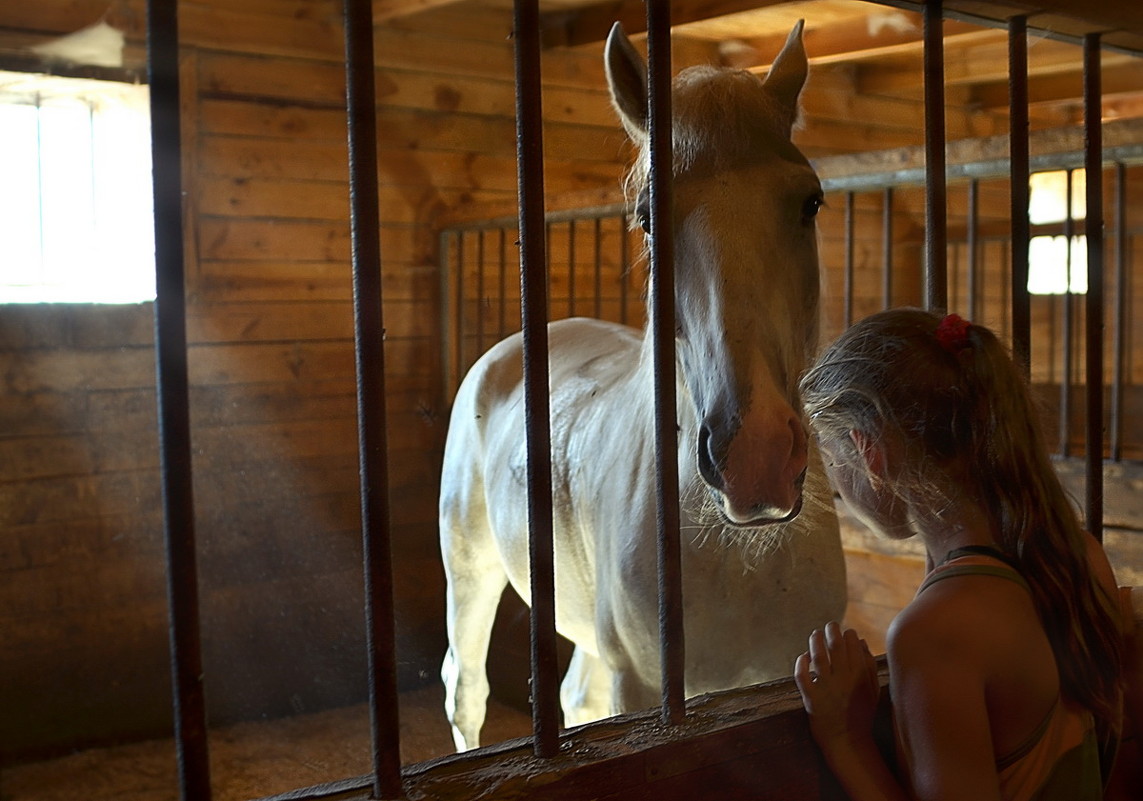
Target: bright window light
<point x="1047" y="197"/>
<point x="1054" y="268"/>
<point x="76" y="216"/>
<point x="1049" y="270"/>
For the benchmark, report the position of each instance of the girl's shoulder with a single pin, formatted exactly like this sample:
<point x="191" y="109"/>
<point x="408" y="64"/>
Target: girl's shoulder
<point x="963" y="607"/>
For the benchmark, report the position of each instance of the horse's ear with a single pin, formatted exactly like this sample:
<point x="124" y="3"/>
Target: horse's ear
<point x="788" y="74"/>
<point x="627" y="80"/>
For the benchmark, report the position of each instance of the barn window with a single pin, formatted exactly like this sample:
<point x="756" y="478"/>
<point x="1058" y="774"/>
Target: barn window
<point x="1057" y="263"/>
<point x="75" y="203"/>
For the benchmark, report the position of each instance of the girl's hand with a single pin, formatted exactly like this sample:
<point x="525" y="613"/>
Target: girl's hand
<point x="837" y="679"/>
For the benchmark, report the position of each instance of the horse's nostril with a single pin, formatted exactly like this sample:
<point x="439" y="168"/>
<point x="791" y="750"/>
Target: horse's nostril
<point x="707" y="464"/>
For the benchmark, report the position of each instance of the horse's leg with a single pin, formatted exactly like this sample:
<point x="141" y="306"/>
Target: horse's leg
<point x="475" y="581"/>
<point x="585" y="693"/>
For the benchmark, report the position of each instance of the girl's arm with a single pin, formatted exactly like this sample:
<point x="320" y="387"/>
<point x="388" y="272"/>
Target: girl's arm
<point x="939" y="709"/>
<point x="837" y="679"/>
<point x="941" y="714"/>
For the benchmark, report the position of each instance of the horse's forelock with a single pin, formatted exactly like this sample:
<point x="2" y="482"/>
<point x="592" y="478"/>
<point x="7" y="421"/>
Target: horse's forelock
<point x="720" y="117"/>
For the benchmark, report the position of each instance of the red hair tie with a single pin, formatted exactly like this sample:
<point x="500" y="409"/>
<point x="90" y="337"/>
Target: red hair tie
<point x="952" y="333"/>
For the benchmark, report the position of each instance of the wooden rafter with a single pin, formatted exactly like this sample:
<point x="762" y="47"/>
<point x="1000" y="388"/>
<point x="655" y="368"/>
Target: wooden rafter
<point x="1118" y="79"/>
<point x="852" y="40"/>
<point x="591" y="24"/>
<point x="392" y="9"/>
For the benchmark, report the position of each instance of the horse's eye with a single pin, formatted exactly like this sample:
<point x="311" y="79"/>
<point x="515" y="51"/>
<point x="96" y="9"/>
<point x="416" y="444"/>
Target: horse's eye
<point x="811" y="206"/>
<point x="643" y="212"/>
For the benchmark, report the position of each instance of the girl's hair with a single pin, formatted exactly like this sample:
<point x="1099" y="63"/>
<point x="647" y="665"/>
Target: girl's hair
<point x="957" y="402"/>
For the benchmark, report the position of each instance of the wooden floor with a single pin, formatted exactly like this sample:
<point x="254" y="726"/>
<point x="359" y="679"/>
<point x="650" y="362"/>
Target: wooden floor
<point x="252" y="760"/>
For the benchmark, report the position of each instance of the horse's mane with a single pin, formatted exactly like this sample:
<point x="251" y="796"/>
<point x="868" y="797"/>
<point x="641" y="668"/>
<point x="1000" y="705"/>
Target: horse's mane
<point x="721" y="118"/>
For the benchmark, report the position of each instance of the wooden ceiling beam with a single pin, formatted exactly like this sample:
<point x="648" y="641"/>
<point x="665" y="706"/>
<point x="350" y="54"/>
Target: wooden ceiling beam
<point x="852" y="40"/>
<point x="981" y="64"/>
<point x="384" y="10"/>
<point x="591" y="24"/>
<point x="1117" y="79"/>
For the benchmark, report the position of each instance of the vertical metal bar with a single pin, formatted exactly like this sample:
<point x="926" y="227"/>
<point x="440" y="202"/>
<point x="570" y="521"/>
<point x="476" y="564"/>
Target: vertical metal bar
<point x="973" y="246"/>
<point x="534" y="319"/>
<point x="847" y="314"/>
<point x="571" y="268"/>
<point x="172" y="385"/>
<point x="1067" y="329"/>
<point x="1119" y="320"/>
<point x="662" y="306"/>
<point x="1018" y="150"/>
<point x="936" y="223"/>
<point x="1093" y="228"/>
<point x="598" y="260"/>
<point x="371" y="419"/>
<point x="887" y="248"/>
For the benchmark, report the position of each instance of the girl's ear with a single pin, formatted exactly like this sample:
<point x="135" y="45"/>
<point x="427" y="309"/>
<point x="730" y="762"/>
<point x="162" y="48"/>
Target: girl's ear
<point x="876" y="463"/>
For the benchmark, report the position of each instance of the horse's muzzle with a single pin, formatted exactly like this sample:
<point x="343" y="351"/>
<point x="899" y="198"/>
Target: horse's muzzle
<point x="761" y="515"/>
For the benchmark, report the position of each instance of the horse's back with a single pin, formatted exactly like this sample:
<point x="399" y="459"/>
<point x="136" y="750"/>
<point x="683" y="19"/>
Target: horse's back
<point x="494" y="383"/>
<point x="484" y="454"/>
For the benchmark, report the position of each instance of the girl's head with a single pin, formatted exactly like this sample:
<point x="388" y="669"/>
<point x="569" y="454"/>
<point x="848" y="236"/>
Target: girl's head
<point x="944" y="398"/>
<point x="940" y="394"/>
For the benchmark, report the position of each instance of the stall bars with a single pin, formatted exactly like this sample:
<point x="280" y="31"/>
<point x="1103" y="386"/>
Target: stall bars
<point x="596" y="267"/>
<point x="385" y="781"/>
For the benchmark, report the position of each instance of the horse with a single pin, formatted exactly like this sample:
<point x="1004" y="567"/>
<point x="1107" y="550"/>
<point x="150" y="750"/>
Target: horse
<point x="761" y="553"/>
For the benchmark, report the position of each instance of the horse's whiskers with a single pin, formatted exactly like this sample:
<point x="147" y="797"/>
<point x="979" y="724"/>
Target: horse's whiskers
<point x="710" y="528"/>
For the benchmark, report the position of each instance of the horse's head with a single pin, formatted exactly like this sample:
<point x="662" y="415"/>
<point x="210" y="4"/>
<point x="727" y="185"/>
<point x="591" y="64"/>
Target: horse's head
<point x="746" y="268"/>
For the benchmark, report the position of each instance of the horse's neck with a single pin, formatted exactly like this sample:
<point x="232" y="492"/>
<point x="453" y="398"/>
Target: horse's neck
<point x="642" y="386"/>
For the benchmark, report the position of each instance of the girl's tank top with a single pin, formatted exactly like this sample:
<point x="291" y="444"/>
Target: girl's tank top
<point x="1060" y="758"/>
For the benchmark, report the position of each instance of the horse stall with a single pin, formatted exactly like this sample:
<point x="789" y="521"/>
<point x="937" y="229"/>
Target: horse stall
<point x="220" y="566"/>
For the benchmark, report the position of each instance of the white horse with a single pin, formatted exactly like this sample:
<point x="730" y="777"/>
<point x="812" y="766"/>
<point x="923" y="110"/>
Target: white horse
<point x="762" y="559"/>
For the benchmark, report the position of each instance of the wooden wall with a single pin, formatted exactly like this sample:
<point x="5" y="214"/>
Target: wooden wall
<point x="83" y="652"/>
<point x="82" y="599"/>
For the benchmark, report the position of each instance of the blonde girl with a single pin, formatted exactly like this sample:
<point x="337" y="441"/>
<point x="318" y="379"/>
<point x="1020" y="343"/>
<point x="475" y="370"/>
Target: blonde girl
<point x="1005" y="668"/>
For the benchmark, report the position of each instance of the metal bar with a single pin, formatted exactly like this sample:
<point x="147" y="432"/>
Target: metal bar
<point x="847" y="313"/>
<point x="1067" y="331"/>
<point x="571" y="268"/>
<point x="534" y="319"/>
<point x="172" y="385"/>
<point x="991" y="168"/>
<point x="1093" y="228"/>
<point x="1018" y="154"/>
<point x="1120" y="312"/>
<point x="973" y="246"/>
<point x="662" y="308"/>
<point x="369" y="351"/>
<point x="554" y="217"/>
<point x="887" y="248"/>
<point x="936" y="222"/>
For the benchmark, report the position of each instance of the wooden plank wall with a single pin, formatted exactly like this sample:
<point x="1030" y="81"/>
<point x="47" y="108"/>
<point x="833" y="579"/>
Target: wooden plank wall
<point x="82" y="603"/>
